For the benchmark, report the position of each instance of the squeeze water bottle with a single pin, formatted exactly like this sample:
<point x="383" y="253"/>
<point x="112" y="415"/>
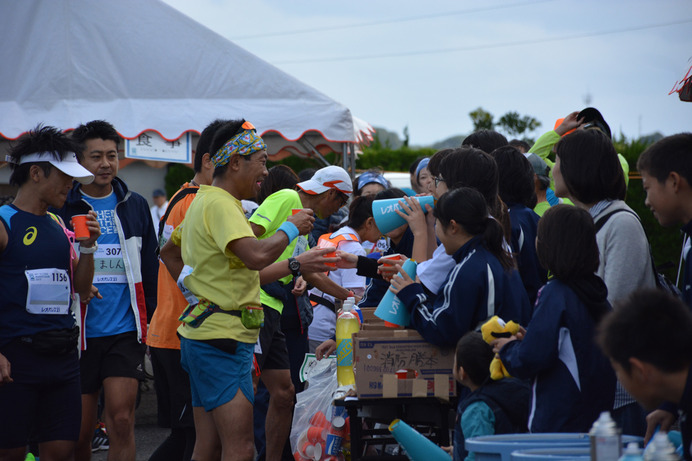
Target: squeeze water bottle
<point x="660" y="448"/>
<point x="346" y="325"/>
<point x="632" y="453"/>
<point x="605" y="439"/>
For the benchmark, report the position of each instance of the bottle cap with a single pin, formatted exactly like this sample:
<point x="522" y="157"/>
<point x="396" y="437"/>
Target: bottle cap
<point x="633" y="449"/>
<point x="338" y="422"/>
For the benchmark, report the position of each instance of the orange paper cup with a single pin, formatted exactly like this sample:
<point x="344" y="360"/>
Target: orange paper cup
<point x="389" y="260"/>
<point x="317" y="434"/>
<point x="296" y="210"/>
<point x="319" y="420"/>
<point x="79" y="224"/>
<point x="394" y="257"/>
<point x="331" y="254"/>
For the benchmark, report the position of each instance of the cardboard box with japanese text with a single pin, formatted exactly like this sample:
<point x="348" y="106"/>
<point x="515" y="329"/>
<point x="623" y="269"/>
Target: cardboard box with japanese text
<point x="380" y="354"/>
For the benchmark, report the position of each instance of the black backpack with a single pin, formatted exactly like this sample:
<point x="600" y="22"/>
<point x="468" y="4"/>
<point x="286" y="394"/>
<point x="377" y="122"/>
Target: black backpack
<point x="662" y="282"/>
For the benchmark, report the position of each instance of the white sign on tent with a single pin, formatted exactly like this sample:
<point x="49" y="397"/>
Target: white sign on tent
<point x="151" y="146"/>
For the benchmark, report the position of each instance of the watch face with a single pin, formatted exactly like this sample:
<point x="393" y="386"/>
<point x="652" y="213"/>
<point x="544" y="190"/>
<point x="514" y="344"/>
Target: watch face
<point x="294" y="265"/>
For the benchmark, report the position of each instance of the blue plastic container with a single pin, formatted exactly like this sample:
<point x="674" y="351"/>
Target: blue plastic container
<point x="553" y="454"/>
<point x="500" y="447"/>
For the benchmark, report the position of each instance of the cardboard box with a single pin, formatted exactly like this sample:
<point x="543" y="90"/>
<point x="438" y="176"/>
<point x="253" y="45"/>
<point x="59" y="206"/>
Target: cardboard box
<point x="379" y="354"/>
<point x="369" y="314"/>
<point x="371" y="322"/>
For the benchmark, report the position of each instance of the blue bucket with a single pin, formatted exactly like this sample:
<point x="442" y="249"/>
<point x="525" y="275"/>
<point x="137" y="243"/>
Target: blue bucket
<point x="553" y="454"/>
<point x="500" y="447"/>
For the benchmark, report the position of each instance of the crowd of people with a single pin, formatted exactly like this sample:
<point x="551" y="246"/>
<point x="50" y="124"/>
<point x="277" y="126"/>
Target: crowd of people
<point x="245" y="270"/>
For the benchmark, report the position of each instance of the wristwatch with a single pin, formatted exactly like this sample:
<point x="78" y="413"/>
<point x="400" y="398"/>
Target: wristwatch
<point x="89" y="250"/>
<point x="294" y="265"/>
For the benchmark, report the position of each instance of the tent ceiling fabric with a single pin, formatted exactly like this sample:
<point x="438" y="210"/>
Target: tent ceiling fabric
<point x="142" y="65"/>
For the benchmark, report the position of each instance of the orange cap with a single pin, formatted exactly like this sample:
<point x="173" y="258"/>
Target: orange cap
<point x="558" y="122"/>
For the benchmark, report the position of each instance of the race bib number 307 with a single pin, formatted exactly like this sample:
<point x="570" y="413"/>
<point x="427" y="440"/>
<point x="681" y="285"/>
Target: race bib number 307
<point x="109" y="266"/>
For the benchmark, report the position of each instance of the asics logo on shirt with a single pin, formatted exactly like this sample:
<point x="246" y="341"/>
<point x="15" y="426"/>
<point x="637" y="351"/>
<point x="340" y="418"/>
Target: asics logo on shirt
<point x="30" y="235"/>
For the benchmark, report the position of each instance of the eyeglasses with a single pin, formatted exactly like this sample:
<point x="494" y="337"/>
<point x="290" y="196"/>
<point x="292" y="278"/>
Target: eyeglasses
<point x="343" y="197"/>
<point x="438" y="180"/>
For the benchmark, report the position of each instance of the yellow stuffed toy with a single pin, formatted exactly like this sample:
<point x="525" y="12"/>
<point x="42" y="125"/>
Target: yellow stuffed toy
<point x="493" y="329"/>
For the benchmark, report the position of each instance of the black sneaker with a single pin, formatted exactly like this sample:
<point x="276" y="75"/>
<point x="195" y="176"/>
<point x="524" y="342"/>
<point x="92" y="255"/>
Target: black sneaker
<point x="100" y="440"/>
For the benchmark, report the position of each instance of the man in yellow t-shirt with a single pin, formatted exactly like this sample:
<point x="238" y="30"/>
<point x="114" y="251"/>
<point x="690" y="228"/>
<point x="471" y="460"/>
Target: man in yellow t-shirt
<point x="222" y="258"/>
<point x="325" y="193"/>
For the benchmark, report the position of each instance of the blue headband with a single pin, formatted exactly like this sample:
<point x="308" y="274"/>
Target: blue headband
<point x="369" y="177"/>
<point x="422" y="164"/>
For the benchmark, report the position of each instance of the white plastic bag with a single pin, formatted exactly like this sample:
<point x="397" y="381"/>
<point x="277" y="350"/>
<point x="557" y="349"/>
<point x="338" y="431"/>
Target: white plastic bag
<point x="314" y="411"/>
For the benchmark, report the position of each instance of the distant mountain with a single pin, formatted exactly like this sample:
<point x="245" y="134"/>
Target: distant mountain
<point x="450" y="143"/>
<point x="651" y="138"/>
<point x="392" y="140"/>
<point x="388" y="138"/>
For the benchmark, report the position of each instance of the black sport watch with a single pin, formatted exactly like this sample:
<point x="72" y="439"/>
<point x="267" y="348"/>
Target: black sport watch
<point x="294" y="265"/>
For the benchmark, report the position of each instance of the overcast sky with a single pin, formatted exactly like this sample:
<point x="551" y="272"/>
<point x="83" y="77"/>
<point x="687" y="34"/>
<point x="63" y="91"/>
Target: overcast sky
<point x="427" y="64"/>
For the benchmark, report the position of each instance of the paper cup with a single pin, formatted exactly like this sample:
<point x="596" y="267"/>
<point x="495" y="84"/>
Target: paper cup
<point x="394" y="257"/>
<point x="319" y="420"/>
<point x="296" y="210"/>
<point x="331" y="254"/>
<point x="79" y="224"/>
<point x="316" y="434"/>
<point x="307" y="450"/>
<point x="389" y="260"/>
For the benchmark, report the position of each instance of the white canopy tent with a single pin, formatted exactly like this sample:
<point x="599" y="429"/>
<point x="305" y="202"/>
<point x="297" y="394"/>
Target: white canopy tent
<point x="144" y="66"/>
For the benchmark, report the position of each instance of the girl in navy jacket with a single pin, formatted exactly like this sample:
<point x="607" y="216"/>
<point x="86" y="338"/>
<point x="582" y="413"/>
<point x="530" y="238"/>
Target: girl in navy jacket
<point x="573" y="382"/>
<point x="483" y="283"/>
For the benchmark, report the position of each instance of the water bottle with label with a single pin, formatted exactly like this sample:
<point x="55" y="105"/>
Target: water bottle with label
<point x="605" y="439"/>
<point x="346" y="324"/>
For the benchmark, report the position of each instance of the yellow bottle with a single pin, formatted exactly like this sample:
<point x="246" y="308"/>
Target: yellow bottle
<point x="346" y="325"/>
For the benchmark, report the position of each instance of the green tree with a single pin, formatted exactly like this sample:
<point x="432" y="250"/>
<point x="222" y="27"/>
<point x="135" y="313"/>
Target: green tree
<point x="482" y="119"/>
<point x="515" y="125"/>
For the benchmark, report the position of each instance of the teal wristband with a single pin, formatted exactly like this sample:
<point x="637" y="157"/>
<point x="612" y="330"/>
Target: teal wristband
<point x="290" y="230"/>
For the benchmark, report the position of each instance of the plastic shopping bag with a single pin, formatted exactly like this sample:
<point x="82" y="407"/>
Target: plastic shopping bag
<point x="319" y="428"/>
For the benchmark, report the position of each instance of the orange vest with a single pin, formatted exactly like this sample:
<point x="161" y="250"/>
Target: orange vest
<point x="329" y="240"/>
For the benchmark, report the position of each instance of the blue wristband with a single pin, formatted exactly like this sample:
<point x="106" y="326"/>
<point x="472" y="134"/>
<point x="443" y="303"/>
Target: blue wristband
<point x="290" y="230"/>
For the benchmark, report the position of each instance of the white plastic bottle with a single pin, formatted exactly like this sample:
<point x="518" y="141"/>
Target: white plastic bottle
<point x="660" y="449"/>
<point x="632" y="453"/>
<point x="605" y="439"/>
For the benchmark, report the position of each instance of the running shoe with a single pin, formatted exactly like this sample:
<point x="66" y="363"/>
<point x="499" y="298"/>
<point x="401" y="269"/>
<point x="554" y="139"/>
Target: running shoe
<point x="100" y="440"/>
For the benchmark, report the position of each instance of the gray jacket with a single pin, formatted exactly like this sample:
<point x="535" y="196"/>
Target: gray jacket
<point x="625" y="261"/>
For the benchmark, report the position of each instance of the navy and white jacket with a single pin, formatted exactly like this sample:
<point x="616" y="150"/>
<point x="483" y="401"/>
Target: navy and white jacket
<point x="687" y="275"/>
<point x="138" y="245"/>
<point x="477" y="288"/>
<point x="573" y="382"/>
<point x="524" y="222"/>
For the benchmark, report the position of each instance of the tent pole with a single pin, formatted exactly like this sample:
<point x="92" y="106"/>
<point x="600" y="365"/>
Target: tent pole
<point x="315" y="152"/>
<point x="345" y="160"/>
<point x="352" y="158"/>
